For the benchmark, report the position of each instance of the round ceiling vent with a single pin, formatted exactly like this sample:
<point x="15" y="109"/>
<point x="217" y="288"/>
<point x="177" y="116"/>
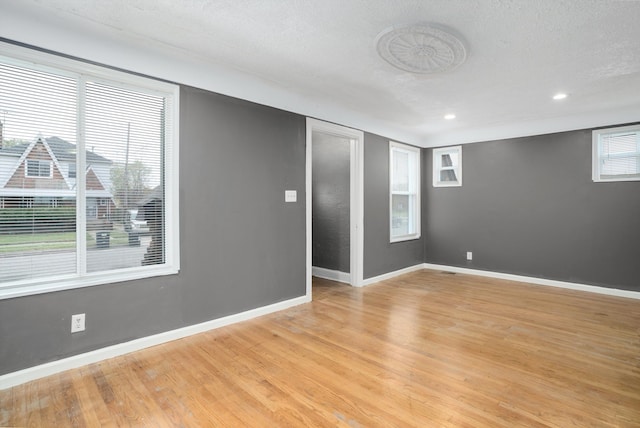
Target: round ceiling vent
<point x="421" y="48"/>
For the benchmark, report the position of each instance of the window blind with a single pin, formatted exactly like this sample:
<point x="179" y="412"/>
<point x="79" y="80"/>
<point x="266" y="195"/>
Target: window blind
<point x="124" y="134"/>
<point x="620" y="155"/>
<point x="38" y="214"/>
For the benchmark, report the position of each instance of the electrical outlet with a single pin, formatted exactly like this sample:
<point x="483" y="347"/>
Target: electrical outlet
<point x="77" y="323"/>
<point x="469" y="255"/>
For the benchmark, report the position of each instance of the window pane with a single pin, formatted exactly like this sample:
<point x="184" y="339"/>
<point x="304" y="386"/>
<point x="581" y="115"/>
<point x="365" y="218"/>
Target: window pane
<point x="38" y="210"/>
<point x="125" y="192"/>
<point x="400" y="171"/>
<point x="617" y="144"/>
<point x="620" y="155"/>
<point x="33" y="168"/>
<point x="448" y="175"/>
<point x="400" y="215"/>
<point x="616" y="166"/>
<point x="446" y="159"/>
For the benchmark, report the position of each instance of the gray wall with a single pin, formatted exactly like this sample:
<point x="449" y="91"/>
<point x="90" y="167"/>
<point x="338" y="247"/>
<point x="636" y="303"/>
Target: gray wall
<point x="242" y="247"/>
<point x="381" y="256"/>
<point x="331" y="202"/>
<point x="528" y="206"/>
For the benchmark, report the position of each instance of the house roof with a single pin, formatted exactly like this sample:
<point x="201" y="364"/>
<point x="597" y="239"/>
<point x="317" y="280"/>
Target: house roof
<point x="62" y="150"/>
<point x="157" y="194"/>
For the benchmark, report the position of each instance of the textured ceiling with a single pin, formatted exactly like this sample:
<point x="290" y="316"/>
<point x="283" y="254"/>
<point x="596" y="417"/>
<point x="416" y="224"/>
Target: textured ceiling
<point x="318" y="57"/>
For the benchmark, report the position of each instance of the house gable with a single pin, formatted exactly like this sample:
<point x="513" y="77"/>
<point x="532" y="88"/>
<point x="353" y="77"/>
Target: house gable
<point x="93" y="182"/>
<point x="38" y="150"/>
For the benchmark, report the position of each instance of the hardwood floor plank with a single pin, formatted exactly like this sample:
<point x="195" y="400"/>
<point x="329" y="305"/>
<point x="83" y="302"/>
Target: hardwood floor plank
<point x="424" y="349"/>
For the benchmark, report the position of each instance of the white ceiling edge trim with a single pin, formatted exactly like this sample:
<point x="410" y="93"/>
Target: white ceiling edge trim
<point x="537" y="127"/>
<point x="168" y="63"/>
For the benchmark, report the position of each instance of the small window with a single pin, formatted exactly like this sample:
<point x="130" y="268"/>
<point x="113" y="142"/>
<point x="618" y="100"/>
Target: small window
<point x="447" y="167"/>
<point x="404" y="198"/>
<point x="72" y="170"/>
<point x="616" y="154"/>
<point x="38" y="168"/>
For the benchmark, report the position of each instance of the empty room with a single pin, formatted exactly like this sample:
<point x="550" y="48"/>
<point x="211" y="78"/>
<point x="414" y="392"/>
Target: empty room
<point x="285" y="213"/>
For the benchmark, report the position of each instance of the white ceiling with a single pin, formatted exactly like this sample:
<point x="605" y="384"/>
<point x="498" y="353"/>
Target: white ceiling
<point x="318" y="58"/>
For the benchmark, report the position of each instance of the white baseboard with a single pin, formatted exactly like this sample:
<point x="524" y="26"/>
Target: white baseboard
<point x="393" y="274"/>
<point x="32" y="373"/>
<point x="538" y="281"/>
<point x="333" y="275"/>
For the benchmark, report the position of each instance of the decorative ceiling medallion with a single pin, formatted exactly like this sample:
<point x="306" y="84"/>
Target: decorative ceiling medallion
<point x="421" y="48"/>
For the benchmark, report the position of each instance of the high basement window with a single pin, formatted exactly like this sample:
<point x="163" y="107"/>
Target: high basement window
<point x="88" y="174"/>
<point x="447" y="167"/>
<point x="616" y="154"/>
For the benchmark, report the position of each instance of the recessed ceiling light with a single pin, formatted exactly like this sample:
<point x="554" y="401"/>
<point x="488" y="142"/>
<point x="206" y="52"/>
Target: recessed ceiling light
<point x="560" y="96"/>
<point x="450" y="116"/>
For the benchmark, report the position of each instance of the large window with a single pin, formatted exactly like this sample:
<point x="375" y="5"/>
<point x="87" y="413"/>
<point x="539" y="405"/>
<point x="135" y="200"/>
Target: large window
<point x="107" y="143"/>
<point x="616" y="154"/>
<point x="404" y="183"/>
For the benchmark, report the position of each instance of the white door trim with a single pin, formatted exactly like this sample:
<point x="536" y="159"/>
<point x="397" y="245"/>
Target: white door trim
<point x="357" y="197"/>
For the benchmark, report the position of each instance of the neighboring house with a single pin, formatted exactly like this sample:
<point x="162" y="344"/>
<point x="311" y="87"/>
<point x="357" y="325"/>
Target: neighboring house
<point x="43" y="174"/>
<point x="151" y="209"/>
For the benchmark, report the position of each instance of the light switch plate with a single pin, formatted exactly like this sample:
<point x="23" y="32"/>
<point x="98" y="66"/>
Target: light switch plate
<point x="290" y="195"/>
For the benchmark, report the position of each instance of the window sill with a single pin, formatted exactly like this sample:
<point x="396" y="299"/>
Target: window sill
<point x="449" y="184"/>
<point x="615" y="180"/>
<point x="404" y="238"/>
<point x="98" y="278"/>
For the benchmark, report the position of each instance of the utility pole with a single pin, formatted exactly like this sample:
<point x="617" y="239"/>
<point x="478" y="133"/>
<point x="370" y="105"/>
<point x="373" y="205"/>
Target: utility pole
<point x="126" y="169"/>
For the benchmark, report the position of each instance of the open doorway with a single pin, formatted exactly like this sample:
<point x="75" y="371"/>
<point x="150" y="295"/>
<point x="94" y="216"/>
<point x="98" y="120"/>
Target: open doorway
<point x="337" y="247"/>
<point x="330" y="206"/>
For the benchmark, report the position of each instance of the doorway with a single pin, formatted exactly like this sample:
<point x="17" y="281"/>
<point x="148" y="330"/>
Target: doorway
<point x="351" y="141"/>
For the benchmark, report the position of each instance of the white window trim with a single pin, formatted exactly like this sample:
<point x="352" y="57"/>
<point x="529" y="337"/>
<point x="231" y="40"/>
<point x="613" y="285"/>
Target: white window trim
<point x="595" y="158"/>
<point x="437" y="167"/>
<point x="416" y="210"/>
<point x="26" y="168"/>
<point x="18" y="55"/>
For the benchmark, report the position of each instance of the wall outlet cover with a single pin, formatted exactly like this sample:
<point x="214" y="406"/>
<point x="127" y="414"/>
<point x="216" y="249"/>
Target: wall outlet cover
<point x="77" y="323"/>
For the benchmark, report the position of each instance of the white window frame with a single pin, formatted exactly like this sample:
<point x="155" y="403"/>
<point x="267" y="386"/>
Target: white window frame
<point x="597" y="156"/>
<point x="22" y="56"/>
<point x="438" y="167"/>
<point x="415" y="212"/>
<point x="26" y="168"/>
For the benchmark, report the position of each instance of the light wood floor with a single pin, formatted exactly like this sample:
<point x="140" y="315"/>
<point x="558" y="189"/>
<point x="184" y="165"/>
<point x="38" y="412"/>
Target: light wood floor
<point x="427" y="349"/>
